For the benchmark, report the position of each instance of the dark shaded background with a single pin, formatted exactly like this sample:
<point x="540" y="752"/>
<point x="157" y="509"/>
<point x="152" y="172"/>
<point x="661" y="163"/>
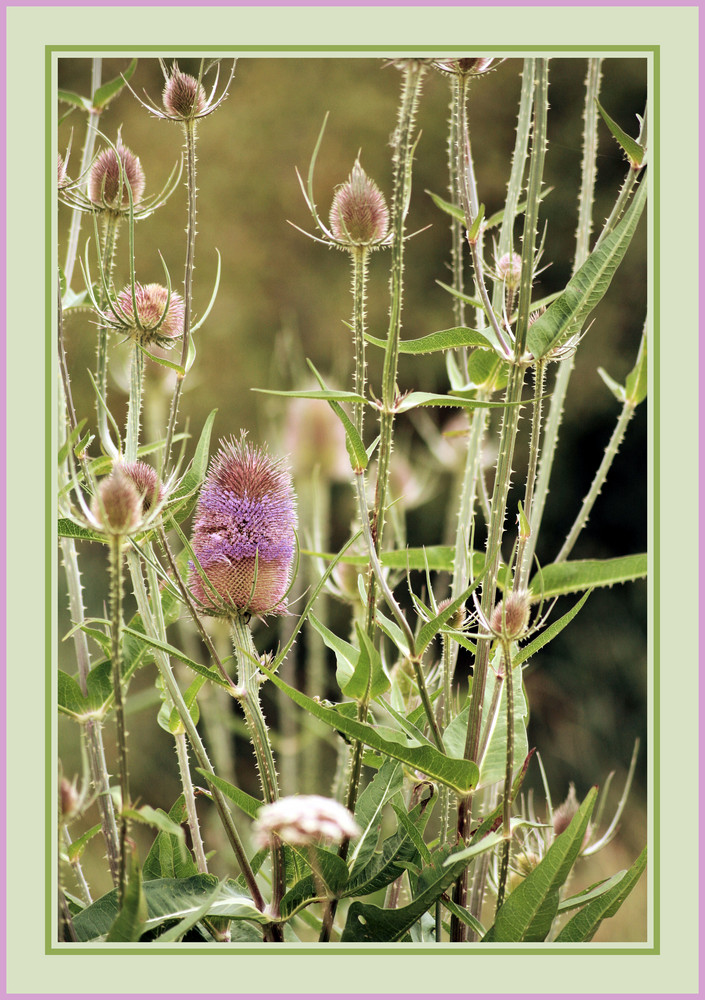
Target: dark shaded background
<point x="283" y="298"/>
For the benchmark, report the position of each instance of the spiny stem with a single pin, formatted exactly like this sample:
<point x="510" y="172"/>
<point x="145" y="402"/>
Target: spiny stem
<point x="190" y="144"/>
<point x="190" y="802"/>
<point x="523" y="564"/>
<point x="134" y="408"/>
<point x="249" y="680"/>
<point x="116" y="588"/>
<point x="359" y="257"/>
<point x="508" y="774"/>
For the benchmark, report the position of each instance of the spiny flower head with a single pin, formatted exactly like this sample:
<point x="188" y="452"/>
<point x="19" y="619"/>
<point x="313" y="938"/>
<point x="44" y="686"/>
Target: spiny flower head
<point x="183" y="96"/>
<point x="359" y="214"/>
<point x="117" y="506"/>
<point x="466" y="67"/>
<point x="510" y="617"/>
<point x="147" y="483"/>
<point x="304" y="819"/>
<point x="509" y="270"/>
<point x="158" y="319"/>
<point x="243" y="533"/>
<point x="112" y="171"/>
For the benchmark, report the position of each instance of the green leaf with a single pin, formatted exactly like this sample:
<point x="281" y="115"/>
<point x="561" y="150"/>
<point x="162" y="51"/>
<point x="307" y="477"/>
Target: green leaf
<point x="166" y="900"/>
<point x="635" y="152"/>
<point x="368" y="923"/>
<point x="69" y="529"/>
<point x="184" y="498"/>
<point x="455" y="211"/>
<point x="549" y="633"/>
<point x="385" y="785"/>
<point x="398" y="852"/>
<point x="584" y="924"/>
<point x="325" y="394"/>
<point x="167" y="857"/>
<point x="474" y="229"/>
<point x="165" y="647"/>
<point x="636" y="384"/>
<point x="353" y="442"/>
<point x="459" y="398"/>
<point x="190" y="698"/>
<point x="379" y="682"/>
<point x="415" y="837"/>
<point x="77" y="848"/>
<point x="345" y="654"/>
<point x="584" y="574"/>
<point x="70" y="698"/>
<point x="442" y="340"/>
<point x="614" y="387"/>
<point x="249" y="805"/>
<point x="105" y="94"/>
<point x="587" y="287"/>
<point x="130" y="921"/>
<point x="460" y="775"/>
<point x="528" y="912"/>
<point x="68" y="97"/>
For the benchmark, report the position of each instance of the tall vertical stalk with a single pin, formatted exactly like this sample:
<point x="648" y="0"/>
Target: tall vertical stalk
<point x="116" y="588"/>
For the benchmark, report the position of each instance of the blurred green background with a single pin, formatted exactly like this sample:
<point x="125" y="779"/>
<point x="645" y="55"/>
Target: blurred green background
<point x="284" y="298"/>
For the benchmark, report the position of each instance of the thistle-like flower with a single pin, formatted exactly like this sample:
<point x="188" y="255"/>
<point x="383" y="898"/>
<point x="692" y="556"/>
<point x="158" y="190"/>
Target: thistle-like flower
<point x="117" y="505"/>
<point x="150" y="488"/>
<point x="184" y="99"/>
<point x="113" y="171"/>
<point x="154" y="316"/>
<point x="303" y="820"/>
<point x="466" y="67"/>
<point x="359" y="216"/>
<point x="244" y="533"/>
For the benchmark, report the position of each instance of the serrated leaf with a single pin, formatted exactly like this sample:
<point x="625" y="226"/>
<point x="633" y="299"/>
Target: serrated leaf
<point x="167" y="857"/>
<point x="632" y="149"/>
<point x="441" y="340"/>
<point x="459" y="775"/>
<point x="345" y="654"/>
<point x="68" y="97"/>
<point x="548" y="634"/>
<point x="584" y="924"/>
<point x="528" y="912"/>
<point x="165" y="647"/>
<point x="112" y="88"/>
<point x="460" y="398"/>
<point x="69" y="529"/>
<point x="588" y="286"/>
<point x="368" y="812"/>
<point x="585" y="574"/>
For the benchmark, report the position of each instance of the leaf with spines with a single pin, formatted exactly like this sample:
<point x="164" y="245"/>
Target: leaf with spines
<point x="583" y="574"/>
<point x="634" y="152"/>
<point x="585" y="923"/>
<point x="587" y="287"/>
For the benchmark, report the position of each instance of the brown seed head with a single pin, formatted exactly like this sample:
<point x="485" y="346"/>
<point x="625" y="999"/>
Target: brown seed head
<point x="183" y="96"/>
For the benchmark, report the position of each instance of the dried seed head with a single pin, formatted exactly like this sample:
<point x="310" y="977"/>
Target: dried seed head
<point x="509" y="270"/>
<point x="117" y="507"/>
<point x="183" y="96"/>
<point x="152" y="324"/>
<point x="244" y="532"/>
<point x="359" y="214"/>
<point x="304" y="819"/>
<point x="104" y="179"/>
<point x="511" y="617"/>
<point x="147" y="482"/>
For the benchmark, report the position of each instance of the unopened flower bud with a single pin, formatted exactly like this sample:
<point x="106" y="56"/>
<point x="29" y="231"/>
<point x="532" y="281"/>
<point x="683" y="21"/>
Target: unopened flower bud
<point x="511" y="616"/>
<point x="147" y="482"/>
<point x="183" y="96"/>
<point x="68" y="799"/>
<point x="244" y="532"/>
<point x="117" y="507"/>
<point x="108" y="183"/>
<point x="565" y="812"/>
<point x="457" y="619"/>
<point x="304" y="819"/>
<point x="359" y="214"/>
<point x="509" y="270"/>
<point x="151" y="324"/>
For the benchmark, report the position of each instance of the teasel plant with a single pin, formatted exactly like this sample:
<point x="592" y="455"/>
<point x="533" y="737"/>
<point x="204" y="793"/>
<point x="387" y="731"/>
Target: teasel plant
<point x="441" y="844"/>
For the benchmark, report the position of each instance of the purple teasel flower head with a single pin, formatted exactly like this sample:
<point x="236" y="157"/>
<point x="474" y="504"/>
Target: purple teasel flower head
<point x="244" y="533"/>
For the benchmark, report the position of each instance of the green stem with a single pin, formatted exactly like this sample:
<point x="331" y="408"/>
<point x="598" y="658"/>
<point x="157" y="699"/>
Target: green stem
<point x="110" y="233"/>
<point x="599" y="480"/>
<point x="190" y="802"/>
<point x="249" y="680"/>
<point x="190" y="145"/>
<point x="523" y="565"/>
<point x="116" y="588"/>
<point x="359" y="257"/>
<point x="134" y="407"/>
<point x="508" y="774"/>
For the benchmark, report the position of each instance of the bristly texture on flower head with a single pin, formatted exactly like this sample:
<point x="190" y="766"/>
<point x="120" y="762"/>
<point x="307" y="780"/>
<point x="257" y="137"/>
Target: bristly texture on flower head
<point x="243" y="533"/>
<point x="159" y="318"/>
<point x="104" y="180"/>
<point x="183" y="96"/>
<point x="117" y="506"/>
<point x="359" y="214"/>
<point x="147" y="482"/>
